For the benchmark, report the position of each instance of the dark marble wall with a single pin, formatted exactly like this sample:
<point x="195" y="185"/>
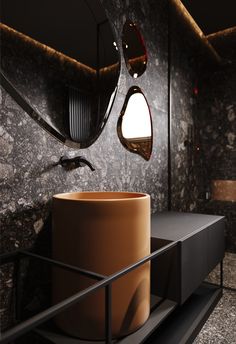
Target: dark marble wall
<point x="218" y="114"/>
<point x="203" y="146"/>
<point x="28" y="175"/>
<point x="217" y="123"/>
<point x="185" y="67"/>
<point x="203" y="122"/>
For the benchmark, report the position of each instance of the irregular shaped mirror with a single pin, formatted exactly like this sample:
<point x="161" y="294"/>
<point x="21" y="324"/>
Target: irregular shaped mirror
<point x="60" y="62"/>
<point x="134" y="49"/>
<point x="134" y="126"/>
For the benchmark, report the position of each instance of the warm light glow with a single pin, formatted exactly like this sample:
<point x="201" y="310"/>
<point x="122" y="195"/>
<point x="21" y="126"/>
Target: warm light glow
<point x="44" y="49"/>
<point x="195" y="28"/>
<point x="136" y="121"/>
<point x="225" y="32"/>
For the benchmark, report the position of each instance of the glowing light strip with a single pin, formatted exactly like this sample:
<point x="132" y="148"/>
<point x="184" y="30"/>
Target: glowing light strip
<point x="54" y="53"/>
<point x="224" y="32"/>
<point x="46" y="49"/>
<point x="187" y="16"/>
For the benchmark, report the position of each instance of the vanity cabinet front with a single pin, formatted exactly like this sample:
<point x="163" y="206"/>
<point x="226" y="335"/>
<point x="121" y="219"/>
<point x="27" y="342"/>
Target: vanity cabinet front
<point x="178" y="273"/>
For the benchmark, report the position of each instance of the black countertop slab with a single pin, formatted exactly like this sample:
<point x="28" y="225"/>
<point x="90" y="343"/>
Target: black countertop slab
<point x="176" y="226"/>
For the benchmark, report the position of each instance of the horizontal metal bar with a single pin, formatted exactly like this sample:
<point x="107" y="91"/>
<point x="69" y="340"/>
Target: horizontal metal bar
<point x="222" y="287"/>
<point x="229" y="288"/>
<point x="38" y="319"/>
<point x="9" y="257"/>
<point x="72" y="268"/>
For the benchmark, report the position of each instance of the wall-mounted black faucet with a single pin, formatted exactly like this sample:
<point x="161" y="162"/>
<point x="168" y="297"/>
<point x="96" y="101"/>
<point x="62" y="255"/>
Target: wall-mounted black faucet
<point x="72" y="163"/>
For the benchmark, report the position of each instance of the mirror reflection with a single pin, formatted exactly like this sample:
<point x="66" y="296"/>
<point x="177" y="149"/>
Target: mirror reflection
<point x="62" y="57"/>
<point x="134" y="126"/>
<point x="134" y="49"/>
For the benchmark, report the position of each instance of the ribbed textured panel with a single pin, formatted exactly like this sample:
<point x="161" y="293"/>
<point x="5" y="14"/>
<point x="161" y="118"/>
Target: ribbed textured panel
<point x="80" y="112"/>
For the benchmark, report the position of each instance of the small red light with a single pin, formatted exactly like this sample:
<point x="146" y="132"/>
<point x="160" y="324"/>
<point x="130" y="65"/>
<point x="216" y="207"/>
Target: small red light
<point x="195" y="90"/>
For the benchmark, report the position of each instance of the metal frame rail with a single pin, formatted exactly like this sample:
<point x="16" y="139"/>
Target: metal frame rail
<point x="221" y="283"/>
<point x="101" y="282"/>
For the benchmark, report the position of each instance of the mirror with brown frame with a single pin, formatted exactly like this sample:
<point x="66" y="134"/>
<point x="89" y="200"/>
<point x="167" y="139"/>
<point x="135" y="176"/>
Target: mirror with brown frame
<point x="134" y="126"/>
<point x="134" y="49"/>
<point x="60" y="62"/>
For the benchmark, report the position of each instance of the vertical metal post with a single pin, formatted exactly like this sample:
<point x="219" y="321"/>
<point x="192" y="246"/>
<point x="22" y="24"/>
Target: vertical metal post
<point x="98" y="51"/>
<point x="108" y="314"/>
<point x="221" y="274"/>
<point x="169" y="109"/>
<point x="16" y="281"/>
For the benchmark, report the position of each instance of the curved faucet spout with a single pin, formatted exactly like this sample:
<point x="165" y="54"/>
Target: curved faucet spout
<point x="84" y="161"/>
<point x="72" y="163"/>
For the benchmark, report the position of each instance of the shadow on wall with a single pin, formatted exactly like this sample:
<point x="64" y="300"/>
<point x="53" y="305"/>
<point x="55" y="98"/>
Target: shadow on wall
<point x="32" y="279"/>
<point x="35" y="289"/>
<point x="23" y="227"/>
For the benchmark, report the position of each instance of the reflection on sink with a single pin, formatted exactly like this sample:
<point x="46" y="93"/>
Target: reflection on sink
<point x="102" y="232"/>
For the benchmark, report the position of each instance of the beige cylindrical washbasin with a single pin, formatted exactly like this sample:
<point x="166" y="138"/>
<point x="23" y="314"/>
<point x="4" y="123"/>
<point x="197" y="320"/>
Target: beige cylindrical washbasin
<point x="102" y="232"/>
<point x="223" y="190"/>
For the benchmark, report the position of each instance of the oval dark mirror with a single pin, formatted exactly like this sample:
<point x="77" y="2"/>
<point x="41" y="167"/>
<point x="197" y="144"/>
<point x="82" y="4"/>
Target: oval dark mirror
<point x="134" y="49"/>
<point x="134" y="126"/>
<point x="60" y="62"/>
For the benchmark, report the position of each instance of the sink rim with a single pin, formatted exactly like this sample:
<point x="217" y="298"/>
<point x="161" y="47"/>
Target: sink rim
<point x="127" y="196"/>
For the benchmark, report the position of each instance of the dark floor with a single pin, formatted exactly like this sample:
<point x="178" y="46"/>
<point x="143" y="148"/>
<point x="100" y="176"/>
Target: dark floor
<point x="221" y="325"/>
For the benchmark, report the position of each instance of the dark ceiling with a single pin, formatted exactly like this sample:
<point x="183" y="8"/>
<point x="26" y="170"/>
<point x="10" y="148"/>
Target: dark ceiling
<point x="212" y="15"/>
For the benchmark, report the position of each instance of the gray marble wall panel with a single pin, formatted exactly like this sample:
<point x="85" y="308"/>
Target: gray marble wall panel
<point x="29" y="174"/>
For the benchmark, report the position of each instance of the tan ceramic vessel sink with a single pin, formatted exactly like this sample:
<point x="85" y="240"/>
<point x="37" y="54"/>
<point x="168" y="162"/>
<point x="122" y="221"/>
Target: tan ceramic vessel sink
<point x="102" y="232"/>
